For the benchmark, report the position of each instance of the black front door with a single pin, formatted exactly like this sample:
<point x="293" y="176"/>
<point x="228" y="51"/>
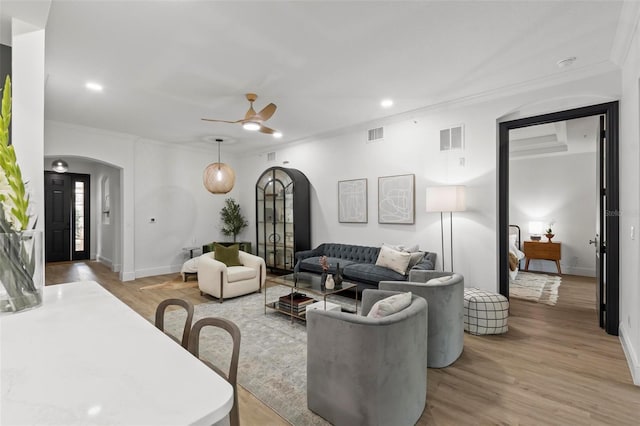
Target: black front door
<point x="66" y="216"/>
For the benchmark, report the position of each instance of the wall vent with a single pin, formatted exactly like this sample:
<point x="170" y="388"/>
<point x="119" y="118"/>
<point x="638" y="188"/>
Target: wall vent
<point x="376" y="134"/>
<point x="452" y="138"/>
<point x="271" y="156"/>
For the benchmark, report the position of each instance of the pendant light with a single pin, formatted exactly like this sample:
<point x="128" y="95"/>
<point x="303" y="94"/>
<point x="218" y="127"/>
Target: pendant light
<point x="218" y="177"/>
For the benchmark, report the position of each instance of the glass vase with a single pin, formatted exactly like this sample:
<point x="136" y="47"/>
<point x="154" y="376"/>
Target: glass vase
<point x="21" y="270"/>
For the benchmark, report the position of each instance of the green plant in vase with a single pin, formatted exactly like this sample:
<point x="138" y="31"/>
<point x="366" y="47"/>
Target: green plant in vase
<point x="18" y="247"/>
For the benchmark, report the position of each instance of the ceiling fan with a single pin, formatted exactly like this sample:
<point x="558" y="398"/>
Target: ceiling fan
<point x="253" y="120"/>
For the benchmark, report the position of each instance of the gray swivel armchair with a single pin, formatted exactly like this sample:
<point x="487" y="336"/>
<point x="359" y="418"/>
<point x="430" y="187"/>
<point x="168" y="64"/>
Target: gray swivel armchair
<point x="446" y="312"/>
<point x="368" y="371"/>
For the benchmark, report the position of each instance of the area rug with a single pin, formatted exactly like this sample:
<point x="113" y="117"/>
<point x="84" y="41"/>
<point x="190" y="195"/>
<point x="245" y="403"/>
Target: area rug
<point x="541" y="288"/>
<point x="173" y="284"/>
<point x="273" y="350"/>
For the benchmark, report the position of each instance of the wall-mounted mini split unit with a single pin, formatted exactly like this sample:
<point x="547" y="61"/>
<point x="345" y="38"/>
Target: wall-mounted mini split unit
<point x="375" y="135"/>
<point x="452" y="138"/>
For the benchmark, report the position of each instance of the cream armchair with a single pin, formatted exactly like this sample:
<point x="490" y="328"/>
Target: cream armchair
<point x="220" y="281"/>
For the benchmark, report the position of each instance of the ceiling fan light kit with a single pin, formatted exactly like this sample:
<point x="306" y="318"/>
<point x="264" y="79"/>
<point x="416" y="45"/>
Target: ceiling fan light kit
<point x="218" y="177"/>
<point x="253" y="121"/>
<point x="251" y="126"/>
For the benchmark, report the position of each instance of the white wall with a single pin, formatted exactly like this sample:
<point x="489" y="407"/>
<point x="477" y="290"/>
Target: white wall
<point x="629" y="204"/>
<point x="411" y="145"/>
<point x="559" y="188"/>
<point x="168" y="187"/>
<point x="66" y="141"/>
<point x="157" y="180"/>
<point x="28" y="110"/>
<point x="109" y="231"/>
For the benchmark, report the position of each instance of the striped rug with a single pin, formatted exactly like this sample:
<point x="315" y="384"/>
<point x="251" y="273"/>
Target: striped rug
<point x="540" y="288"/>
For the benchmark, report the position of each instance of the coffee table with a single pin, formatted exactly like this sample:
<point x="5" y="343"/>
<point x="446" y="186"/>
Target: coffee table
<point x="309" y="284"/>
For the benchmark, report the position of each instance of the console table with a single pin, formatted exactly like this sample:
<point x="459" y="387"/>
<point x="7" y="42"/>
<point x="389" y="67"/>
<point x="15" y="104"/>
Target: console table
<point x="543" y="250"/>
<point x="84" y="357"/>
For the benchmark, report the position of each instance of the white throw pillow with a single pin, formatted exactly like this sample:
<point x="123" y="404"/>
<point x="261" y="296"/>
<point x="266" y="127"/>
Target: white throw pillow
<point x="439" y="280"/>
<point x="392" y="259"/>
<point x="390" y="305"/>
<point x="402" y="247"/>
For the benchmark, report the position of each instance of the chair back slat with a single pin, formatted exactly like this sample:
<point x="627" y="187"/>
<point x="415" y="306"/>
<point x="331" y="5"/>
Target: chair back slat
<point x="188" y="306"/>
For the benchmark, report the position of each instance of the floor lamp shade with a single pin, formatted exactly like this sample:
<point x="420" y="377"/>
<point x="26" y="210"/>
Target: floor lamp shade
<point x="450" y="199"/>
<point x="446" y="198"/>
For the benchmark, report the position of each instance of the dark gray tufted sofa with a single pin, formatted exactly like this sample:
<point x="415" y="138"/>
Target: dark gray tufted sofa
<point x="358" y="263"/>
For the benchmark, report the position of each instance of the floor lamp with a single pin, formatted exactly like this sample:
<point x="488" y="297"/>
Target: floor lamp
<point x="446" y="199"/>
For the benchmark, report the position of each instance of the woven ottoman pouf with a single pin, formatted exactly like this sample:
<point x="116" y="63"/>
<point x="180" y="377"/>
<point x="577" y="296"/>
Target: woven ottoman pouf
<point x="485" y="312"/>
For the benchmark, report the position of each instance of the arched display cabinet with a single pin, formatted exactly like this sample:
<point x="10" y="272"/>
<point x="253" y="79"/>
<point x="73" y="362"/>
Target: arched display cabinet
<point x="283" y="217"/>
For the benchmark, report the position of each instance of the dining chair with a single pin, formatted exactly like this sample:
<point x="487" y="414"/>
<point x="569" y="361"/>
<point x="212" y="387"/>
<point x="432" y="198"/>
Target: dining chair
<point x="188" y="306"/>
<point x="232" y="375"/>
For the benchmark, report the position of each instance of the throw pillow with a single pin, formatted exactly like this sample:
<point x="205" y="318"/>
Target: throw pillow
<point x="416" y="257"/>
<point x="402" y="247"/>
<point x="227" y="255"/>
<point x="390" y="305"/>
<point x="439" y="280"/>
<point x="392" y="259"/>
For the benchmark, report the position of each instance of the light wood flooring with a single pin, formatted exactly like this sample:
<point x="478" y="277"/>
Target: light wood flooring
<point x="554" y="366"/>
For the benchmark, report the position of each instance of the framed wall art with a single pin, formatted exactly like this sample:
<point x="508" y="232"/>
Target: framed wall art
<point x="352" y="201"/>
<point x="396" y="199"/>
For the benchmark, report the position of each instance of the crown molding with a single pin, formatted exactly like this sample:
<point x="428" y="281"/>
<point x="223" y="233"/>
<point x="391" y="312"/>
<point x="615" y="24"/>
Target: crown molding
<point x="557" y="79"/>
<point x="627" y="28"/>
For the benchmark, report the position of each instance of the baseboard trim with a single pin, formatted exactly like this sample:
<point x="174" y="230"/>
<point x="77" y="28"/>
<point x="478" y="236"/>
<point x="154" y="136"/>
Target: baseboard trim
<point x="161" y="270"/>
<point x="105" y="261"/>
<point x="582" y="272"/>
<point x="629" y="353"/>
<point x="127" y="276"/>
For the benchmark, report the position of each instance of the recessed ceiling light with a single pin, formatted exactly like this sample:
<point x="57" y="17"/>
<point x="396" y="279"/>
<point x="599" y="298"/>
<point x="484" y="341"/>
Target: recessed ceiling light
<point x="277" y="135"/>
<point x="566" y="62"/>
<point x="386" y="103"/>
<point x="93" y="86"/>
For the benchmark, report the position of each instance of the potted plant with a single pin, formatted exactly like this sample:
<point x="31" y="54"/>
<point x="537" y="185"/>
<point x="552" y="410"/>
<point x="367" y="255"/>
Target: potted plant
<point x="549" y="233"/>
<point x="232" y="219"/>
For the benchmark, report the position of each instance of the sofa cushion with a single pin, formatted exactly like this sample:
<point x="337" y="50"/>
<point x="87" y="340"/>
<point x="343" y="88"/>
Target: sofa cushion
<point x="240" y="273"/>
<point x="390" y="305"/>
<point x="368" y="273"/>
<point x="227" y="255"/>
<point x="312" y="264"/>
<point x="393" y="259"/>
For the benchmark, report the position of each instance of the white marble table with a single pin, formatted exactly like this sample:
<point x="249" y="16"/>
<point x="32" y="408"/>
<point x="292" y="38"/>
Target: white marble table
<point x="85" y="358"/>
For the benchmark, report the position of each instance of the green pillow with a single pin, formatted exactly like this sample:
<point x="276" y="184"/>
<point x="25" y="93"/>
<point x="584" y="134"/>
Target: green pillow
<point x="227" y="255"/>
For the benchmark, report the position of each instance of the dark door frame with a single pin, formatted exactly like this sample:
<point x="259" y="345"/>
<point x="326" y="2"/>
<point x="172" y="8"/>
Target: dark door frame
<point x="612" y="224"/>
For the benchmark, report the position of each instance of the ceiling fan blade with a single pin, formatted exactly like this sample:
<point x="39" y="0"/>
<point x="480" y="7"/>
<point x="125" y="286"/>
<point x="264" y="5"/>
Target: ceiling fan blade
<point x="267" y="111"/>
<point x="221" y="121"/>
<point x="265" y="129"/>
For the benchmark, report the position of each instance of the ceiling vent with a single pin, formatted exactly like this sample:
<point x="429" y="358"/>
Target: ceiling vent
<point x="271" y="156"/>
<point x="374" y="135"/>
<point x="452" y="138"/>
